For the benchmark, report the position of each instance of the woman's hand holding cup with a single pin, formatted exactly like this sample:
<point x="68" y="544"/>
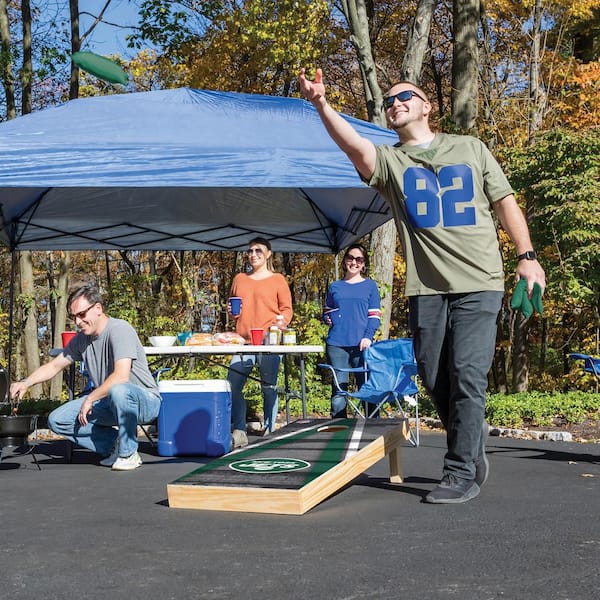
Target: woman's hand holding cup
<point x="235" y="306"/>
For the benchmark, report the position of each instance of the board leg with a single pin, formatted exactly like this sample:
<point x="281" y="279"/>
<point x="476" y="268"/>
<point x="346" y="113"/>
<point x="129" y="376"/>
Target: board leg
<point x="396" y="474"/>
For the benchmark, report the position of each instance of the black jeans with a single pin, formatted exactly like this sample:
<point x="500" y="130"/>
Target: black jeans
<point x="454" y="341"/>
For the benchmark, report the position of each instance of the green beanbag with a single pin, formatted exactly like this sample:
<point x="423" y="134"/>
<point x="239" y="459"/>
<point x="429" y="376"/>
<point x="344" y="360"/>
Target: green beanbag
<point x="520" y="301"/>
<point x="101" y="67"/>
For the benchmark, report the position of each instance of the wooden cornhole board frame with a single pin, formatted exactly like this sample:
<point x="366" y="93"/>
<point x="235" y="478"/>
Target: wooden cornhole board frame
<point x="294" y="469"/>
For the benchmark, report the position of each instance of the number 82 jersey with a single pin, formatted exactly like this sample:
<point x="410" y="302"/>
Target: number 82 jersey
<point x="441" y="198"/>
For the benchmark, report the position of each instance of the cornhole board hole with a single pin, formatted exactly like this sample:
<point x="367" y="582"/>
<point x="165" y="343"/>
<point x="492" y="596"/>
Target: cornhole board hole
<point x="293" y="469"/>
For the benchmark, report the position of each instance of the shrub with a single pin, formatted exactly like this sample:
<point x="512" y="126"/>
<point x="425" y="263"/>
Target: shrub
<point x="541" y="408"/>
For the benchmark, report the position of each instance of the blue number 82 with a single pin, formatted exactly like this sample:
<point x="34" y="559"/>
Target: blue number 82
<point x="432" y="198"/>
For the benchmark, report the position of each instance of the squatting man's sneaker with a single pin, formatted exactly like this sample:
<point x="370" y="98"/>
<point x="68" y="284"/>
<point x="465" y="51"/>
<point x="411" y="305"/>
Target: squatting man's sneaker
<point x="239" y="439"/>
<point x="109" y="461"/>
<point x="453" y="490"/>
<point x="128" y="463"/>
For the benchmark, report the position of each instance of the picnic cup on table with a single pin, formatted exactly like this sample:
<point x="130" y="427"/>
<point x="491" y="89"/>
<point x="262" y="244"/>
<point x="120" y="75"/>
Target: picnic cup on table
<point x="257" y="336"/>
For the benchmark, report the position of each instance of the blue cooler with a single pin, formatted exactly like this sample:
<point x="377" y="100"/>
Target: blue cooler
<point x="194" y="417"/>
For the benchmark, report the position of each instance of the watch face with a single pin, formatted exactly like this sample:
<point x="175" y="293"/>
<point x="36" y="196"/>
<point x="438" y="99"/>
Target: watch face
<point x="529" y="255"/>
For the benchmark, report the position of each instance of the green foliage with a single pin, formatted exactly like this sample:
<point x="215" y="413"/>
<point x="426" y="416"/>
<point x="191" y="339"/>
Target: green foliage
<point x="163" y="24"/>
<point x="559" y="176"/>
<point x="539" y="409"/>
<point x="40" y="406"/>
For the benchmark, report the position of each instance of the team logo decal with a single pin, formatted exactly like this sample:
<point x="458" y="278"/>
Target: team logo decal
<point x="269" y="465"/>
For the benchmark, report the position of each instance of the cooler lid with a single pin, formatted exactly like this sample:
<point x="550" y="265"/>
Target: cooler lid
<point x="183" y="386"/>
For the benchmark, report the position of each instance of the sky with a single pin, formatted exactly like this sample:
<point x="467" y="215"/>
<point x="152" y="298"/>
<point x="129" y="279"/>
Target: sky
<point x="107" y="39"/>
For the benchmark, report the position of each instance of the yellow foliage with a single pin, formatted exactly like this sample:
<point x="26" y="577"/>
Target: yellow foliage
<point x="258" y="47"/>
<point x="576" y="103"/>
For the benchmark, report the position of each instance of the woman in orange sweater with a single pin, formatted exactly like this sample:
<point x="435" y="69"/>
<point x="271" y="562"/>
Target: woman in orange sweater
<point x="265" y="295"/>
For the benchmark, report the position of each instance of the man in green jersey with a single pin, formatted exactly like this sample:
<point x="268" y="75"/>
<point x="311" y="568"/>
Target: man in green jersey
<point x="442" y="189"/>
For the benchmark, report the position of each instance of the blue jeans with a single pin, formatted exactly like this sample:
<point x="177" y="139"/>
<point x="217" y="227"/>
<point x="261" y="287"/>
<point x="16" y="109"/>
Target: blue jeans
<point x="454" y="341"/>
<point x="345" y="357"/>
<point x="124" y="407"/>
<point x="238" y="373"/>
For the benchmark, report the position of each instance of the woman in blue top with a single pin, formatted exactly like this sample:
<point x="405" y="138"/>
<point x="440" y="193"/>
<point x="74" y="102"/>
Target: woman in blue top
<point x="352" y="311"/>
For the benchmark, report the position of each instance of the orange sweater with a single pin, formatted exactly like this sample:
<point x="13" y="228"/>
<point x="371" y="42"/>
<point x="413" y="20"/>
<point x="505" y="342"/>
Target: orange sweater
<point x="262" y="301"/>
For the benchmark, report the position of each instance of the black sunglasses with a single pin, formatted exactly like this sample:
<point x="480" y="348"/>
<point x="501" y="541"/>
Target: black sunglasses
<point x="359" y="260"/>
<point x="82" y="313"/>
<point x="403" y="96"/>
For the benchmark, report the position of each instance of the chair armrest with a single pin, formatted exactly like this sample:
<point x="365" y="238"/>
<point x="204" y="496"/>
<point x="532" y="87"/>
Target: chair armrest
<point x="335" y="379"/>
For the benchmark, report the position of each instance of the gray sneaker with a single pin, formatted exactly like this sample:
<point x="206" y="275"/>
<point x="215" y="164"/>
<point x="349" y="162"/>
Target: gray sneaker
<point x="482" y="465"/>
<point x="453" y="490"/>
<point x="128" y="463"/>
<point x="239" y="439"/>
<point x="109" y="460"/>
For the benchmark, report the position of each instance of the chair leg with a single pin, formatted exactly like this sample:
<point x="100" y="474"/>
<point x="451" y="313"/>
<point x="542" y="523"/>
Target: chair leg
<point x="147" y="434"/>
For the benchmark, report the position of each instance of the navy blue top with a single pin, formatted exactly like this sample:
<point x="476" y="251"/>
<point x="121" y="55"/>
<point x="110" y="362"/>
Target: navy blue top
<point x="354" y="310"/>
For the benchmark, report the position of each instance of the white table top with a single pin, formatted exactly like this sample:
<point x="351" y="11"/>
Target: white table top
<point x="232" y="349"/>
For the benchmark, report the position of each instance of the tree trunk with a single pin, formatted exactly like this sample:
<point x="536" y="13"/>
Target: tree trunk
<point x="537" y="96"/>
<point x="520" y="374"/>
<point x="488" y="76"/>
<point x="6" y="62"/>
<point x="60" y="315"/>
<point x="27" y="70"/>
<point x="465" y="64"/>
<point x="383" y="251"/>
<point x="75" y="47"/>
<point x="355" y="12"/>
<point x="416" y="48"/>
<point x="30" y="328"/>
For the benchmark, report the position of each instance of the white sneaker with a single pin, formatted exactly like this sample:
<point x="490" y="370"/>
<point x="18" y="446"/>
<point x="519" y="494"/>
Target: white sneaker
<point x="109" y="461"/>
<point x="127" y="464"/>
<point x="239" y="439"/>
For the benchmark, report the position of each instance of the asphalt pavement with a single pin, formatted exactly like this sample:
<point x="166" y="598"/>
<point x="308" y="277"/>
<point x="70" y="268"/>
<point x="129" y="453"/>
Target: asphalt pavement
<point x="80" y="531"/>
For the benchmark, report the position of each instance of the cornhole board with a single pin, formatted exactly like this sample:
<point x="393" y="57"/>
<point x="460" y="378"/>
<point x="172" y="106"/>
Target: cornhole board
<point x="293" y="469"/>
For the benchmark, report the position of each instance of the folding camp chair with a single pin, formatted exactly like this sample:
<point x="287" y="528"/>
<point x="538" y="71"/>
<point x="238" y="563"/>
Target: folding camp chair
<point x="391" y="373"/>
<point x="590" y="365"/>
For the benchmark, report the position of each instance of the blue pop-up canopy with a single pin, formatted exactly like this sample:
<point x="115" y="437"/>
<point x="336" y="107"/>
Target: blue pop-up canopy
<point x="182" y="169"/>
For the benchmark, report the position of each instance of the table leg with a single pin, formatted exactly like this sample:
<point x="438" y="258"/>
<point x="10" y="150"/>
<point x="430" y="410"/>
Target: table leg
<point x="303" y="385"/>
<point x="286" y="387"/>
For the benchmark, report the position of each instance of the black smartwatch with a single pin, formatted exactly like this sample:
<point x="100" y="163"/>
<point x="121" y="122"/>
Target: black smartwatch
<point x="529" y="255"/>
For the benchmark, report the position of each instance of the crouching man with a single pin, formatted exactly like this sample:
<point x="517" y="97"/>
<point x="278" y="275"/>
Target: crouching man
<point x="124" y="393"/>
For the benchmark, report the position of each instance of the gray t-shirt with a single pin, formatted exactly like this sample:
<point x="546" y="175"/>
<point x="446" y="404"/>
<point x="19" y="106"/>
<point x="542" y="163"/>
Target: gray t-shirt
<point x="441" y="199"/>
<point x="118" y="340"/>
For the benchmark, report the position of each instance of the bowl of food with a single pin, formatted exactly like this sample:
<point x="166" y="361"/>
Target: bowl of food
<point x="162" y="340"/>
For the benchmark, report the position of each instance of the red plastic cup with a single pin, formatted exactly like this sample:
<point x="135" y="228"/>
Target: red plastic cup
<point x="67" y="336"/>
<point x="257" y="336"/>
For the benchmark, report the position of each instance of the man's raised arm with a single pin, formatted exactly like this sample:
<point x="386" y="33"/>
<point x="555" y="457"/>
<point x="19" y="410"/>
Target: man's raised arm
<point x="360" y="150"/>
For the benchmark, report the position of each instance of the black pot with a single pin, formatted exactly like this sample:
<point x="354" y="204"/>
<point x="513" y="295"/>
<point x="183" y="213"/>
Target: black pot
<point x="16" y="429"/>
